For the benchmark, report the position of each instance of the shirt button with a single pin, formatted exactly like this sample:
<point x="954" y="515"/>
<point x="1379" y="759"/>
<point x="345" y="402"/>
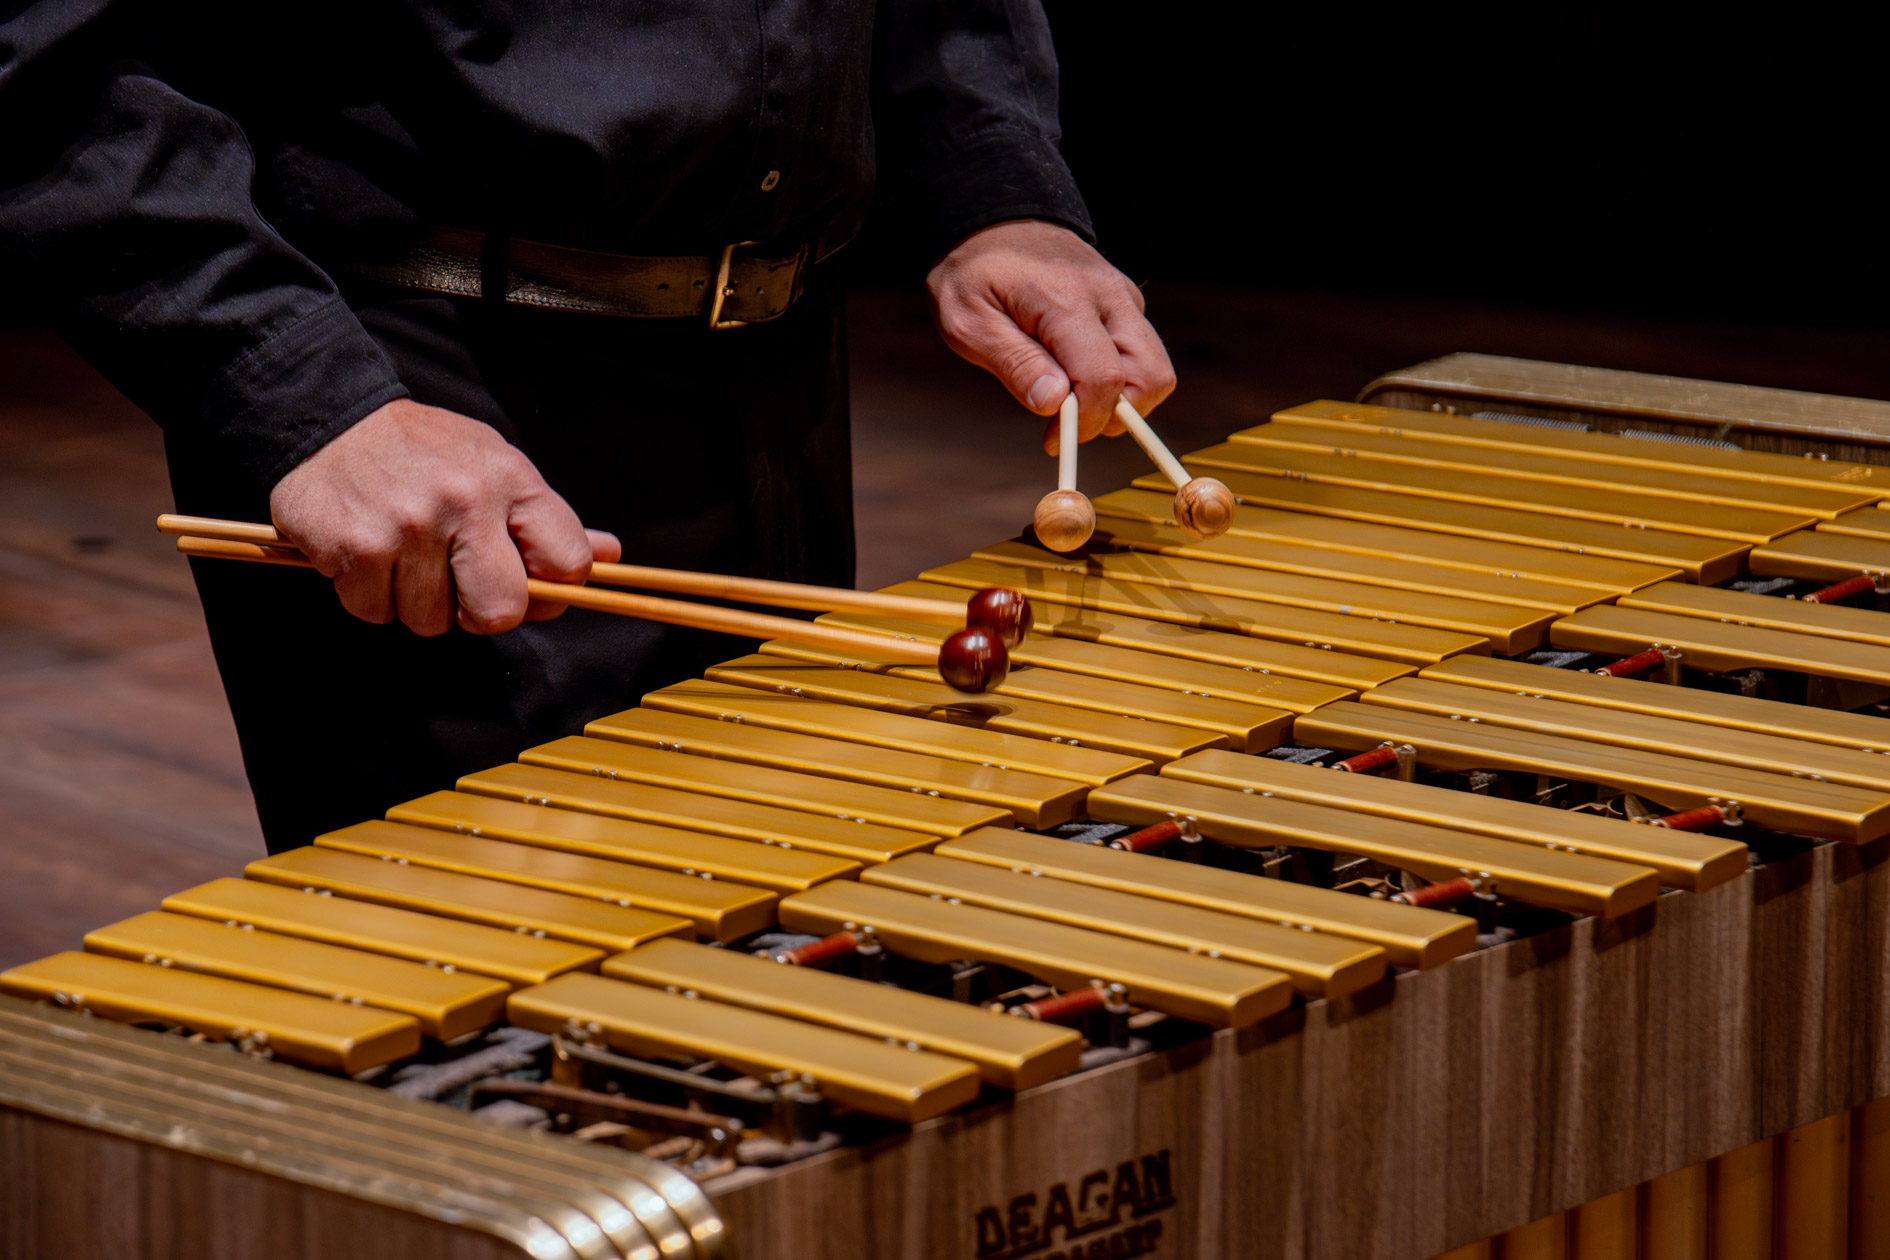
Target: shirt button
<point x="769" y="180"/>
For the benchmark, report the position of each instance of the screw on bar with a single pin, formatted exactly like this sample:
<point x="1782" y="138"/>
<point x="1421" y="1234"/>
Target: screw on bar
<point x="1843" y="590"/>
<point x="1447" y="893"/>
<point x="1670" y="666"/>
<point x="1147" y="838"/>
<point x="1366" y="762"/>
<point x="1630" y="666"/>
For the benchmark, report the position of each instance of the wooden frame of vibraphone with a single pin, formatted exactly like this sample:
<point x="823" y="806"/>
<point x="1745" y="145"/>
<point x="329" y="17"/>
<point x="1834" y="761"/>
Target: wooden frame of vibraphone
<point x="1397" y="1122"/>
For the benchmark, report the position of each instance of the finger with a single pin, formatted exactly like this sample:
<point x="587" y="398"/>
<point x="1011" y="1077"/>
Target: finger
<point x="605" y="547"/>
<point x="1083" y="346"/>
<point x="991" y="339"/>
<point x="552" y="542"/>
<point x="365" y="586"/>
<point x="1149" y="375"/>
<point x="423" y="588"/>
<point x="489" y="575"/>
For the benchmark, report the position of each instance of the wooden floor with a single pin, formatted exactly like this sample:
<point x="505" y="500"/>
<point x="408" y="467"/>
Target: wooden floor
<point x="119" y="775"/>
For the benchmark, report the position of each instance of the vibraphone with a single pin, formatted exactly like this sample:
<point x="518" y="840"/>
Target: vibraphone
<point x="1478" y="846"/>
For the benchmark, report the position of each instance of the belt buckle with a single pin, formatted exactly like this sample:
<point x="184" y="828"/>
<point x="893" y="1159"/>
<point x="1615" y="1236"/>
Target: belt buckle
<point x="722" y="290"/>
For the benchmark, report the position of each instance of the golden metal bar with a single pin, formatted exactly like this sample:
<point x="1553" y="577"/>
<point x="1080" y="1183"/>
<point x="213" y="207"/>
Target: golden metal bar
<point x="1683" y="859"/>
<point x="907" y="811"/>
<point x="749" y="706"/>
<point x="690" y="811"/>
<point x="1701" y="558"/>
<point x="1674" y="1216"/>
<point x="1285" y="439"/>
<point x="1776" y="754"/>
<point x="1166" y="673"/>
<point x="1252" y="727"/>
<point x="1010" y="1053"/>
<point x="1286" y="623"/>
<point x="863" y="1073"/>
<point x="495" y="903"/>
<point x="1544" y="1239"/>
<point x="1452" y="551"/>
<point x="721" y="911"/>
<point x="1870" y="1181"/>
<point x="1411" y="572"/>
<point x="1563" y="881"/>
<point x="448" y="1004"/>
<point x="1214" y="991"/>
<point x="1607" y="1228"/>
<point x="1346" y="670"/>
<point x="1743" y="608"/>
<point x="1800" y="806"/>
<point x="314" y="1032"/>
<point x="422" y="938"/>
<point x="1870" y="522"/>
<point x="1034" y="800"/>
<point x="1721" y="646"/>
<point x="1636" y="695"/>
<point x="1059" y="724"/>
<point x="1814" y="1181"/>
<point x="1410" y="936"/>
<point x="1319" y="966"/>
<point x="1740" y="1185"/>
<point x="1603" y="448"/>
<point x="1581" y="502"/>
<point x="1821" y="556"/>
<point x="767" y="866"/>
<point x="1508" y="628"/>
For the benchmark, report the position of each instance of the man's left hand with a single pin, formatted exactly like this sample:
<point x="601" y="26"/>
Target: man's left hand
<point x="1037" y="307"/>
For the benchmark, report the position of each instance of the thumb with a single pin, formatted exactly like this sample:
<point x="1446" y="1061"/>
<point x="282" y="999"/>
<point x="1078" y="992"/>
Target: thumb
<point x="1025" y="368"/>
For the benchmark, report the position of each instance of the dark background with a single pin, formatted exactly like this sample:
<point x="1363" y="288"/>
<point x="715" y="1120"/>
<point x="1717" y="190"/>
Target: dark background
<point x="1728" y="169"/>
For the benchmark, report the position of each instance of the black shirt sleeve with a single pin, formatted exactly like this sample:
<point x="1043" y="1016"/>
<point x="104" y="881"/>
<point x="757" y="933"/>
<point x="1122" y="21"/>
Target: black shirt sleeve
<point x="127" y="222"/>
<point x="965" y="109"/>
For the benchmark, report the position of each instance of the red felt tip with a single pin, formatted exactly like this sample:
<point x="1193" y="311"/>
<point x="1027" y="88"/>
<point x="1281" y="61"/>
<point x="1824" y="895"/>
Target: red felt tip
<point x="821" y="952"/>
<point x="1639" y="663"/>
<point x="1843" y="590"/>
<point x="1063" y="1007"/>
<point x="1366" y="762"/>
<point x="1449" y="892"/>
<point x="1147" y="838"/>
<point x="1693" y="819"/>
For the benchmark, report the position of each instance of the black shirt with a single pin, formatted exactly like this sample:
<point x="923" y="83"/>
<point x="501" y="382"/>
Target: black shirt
<point x="177" y="182"/>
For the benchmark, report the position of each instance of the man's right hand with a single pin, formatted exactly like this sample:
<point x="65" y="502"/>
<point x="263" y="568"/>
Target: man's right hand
<point x="430" y="516"/>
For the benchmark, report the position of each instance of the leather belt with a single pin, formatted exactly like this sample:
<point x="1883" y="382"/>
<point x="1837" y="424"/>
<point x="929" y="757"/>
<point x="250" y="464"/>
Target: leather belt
<point x="726" y="290"/>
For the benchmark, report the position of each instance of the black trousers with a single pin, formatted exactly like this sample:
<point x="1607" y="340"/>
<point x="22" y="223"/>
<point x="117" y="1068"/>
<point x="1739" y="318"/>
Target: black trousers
<point x="724" y="451"/>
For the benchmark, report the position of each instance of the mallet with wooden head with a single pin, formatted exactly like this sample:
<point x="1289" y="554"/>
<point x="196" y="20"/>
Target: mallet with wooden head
<point x="1203" y="506"/>
<point x="1064" y="519"/>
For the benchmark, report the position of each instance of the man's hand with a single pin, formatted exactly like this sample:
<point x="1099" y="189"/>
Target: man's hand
<point x="1039" y="309"/>
<point x="427" y="515"/>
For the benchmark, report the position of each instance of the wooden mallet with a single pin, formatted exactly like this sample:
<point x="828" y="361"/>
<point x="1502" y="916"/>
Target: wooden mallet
<point x="1064" y="519"/>
<point x="973" y="659"/>
<point x="1203" y="506"/>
